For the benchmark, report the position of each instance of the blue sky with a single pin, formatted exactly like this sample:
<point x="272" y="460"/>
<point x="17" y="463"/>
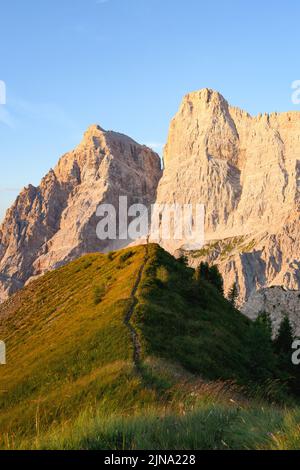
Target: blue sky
<point x="126" y="64"/>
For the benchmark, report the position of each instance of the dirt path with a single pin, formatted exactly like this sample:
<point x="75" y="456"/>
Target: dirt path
<point x="127" y="321"/>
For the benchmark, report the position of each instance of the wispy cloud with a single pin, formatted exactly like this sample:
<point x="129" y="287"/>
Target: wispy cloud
<point x="9" y="190"/>
<point x="6" y="117"/>
<point x="50" y="112"/>
<point x="157" y="146"/>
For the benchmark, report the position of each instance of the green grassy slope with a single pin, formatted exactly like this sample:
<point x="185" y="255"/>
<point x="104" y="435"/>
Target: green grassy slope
<point x="191" y="324"/>
<point x="101" y="348"/>
<point x="65" y="349"/>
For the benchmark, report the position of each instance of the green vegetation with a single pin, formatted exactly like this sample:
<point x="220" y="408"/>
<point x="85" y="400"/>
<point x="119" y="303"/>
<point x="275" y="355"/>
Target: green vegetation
<point x="222" y="249"/>
<point x="233" y="294"/>
<point x="99" y="292"/>
<point x="284" y="338"/>
<point x="262" y="365"/>
<point x="211" y="427"/>
<point x="207" y="377"/>
<point x="66" y="352"/>
<point x="210" y="274"/>
<point x="125" y="256"/>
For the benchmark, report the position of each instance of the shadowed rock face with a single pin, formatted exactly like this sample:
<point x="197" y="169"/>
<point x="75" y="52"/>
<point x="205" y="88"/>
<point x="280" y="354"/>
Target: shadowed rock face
<point x="54" y="223"/>
<point x="245" y="170"/>
<point x="277" y="302"/>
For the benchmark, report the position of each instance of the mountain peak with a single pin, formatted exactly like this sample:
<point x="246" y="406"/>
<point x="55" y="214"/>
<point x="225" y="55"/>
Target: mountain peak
<point x="92" y="133"/>
<point x="94" y="129"/>
<point x="205" y="98"/>
<point x="55" y="222"/>
<point x="206" y="94"/>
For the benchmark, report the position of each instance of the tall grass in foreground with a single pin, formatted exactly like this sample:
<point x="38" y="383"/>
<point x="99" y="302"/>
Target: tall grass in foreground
<point x="191" y="414"/>
<point x="196" y="415"/>
<point x="288" y="438"/>
<point x="212" y="427"/>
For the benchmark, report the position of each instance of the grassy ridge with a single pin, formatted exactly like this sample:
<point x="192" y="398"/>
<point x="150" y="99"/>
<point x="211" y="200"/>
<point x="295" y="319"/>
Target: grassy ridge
<point x="71" y="381"/>
<point x="65" y="350"/>
<point x="190" y="324"/>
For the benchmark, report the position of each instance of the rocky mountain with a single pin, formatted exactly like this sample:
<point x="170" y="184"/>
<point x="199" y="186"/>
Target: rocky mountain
<point x="245" y="170"/>
<point x="55" y="222"/>
<point x="278" y="303"/>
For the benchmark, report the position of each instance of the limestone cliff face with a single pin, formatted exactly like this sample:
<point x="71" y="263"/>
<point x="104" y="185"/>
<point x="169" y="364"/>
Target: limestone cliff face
<point x="278" y="303"/>
<point x="56" y="222"/>
<point x="245" y="170"/>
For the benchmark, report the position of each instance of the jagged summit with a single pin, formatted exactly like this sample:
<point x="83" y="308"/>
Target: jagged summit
<point x="208" y="100"/>
<point x="55" y="222"/>
<point x="95" y="132"/>
<point x="206" y="95"/>
<point x="245" y="170"/>
<point x="94" y="128"/>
